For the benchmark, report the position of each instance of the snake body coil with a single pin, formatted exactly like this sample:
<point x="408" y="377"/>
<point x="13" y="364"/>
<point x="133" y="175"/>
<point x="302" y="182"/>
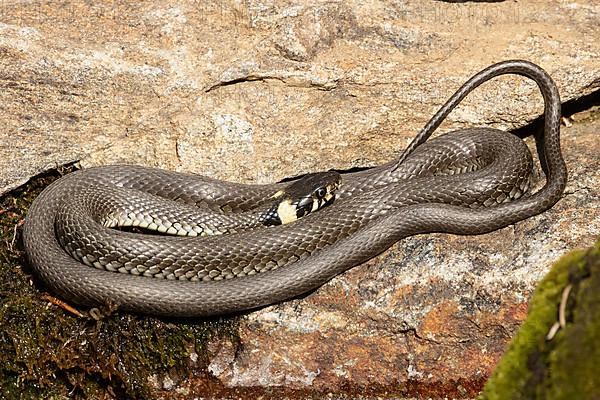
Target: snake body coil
<point x="459" y="183"/>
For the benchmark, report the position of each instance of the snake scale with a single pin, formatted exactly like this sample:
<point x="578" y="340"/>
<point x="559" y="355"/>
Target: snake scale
<point x="469" y="181"/>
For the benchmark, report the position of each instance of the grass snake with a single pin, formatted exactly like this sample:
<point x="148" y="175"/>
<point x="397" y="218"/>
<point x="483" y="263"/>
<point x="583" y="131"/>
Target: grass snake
<point x="469" y="181"/>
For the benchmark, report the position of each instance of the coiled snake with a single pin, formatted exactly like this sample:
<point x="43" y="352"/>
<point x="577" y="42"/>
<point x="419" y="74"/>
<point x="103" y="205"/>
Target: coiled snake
<point x="460" y="182"/>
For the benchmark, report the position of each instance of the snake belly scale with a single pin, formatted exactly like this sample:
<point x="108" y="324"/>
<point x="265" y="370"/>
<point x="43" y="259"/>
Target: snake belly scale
<point x="470" y="181"/>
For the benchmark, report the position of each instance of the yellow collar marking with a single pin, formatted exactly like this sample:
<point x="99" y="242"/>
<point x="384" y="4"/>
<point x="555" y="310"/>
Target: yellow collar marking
<point x="286" y="212"/>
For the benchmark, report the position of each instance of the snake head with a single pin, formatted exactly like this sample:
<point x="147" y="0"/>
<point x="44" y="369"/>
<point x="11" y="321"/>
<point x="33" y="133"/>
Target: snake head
<point x="307" y="194"/>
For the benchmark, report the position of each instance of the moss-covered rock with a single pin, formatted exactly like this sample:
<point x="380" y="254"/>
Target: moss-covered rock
<point x="543" y="362"/>
<point x="47" y="353"/>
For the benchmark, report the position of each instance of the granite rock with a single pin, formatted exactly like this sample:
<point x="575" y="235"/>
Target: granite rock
<point x="429" y="317"/>
<point x="258" y="91"/>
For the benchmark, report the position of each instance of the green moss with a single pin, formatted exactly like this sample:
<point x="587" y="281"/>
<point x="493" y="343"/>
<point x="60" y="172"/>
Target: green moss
<point x="47" y="353"/>
<point x="574" y="362"/>
<point x="566" y="366"/>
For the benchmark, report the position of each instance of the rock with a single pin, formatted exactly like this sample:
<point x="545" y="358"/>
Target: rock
<point x="305" y="31"/>
<point x="429" y="317"/>
<point x="554" y="353"/>
<point x="255" y="92"/>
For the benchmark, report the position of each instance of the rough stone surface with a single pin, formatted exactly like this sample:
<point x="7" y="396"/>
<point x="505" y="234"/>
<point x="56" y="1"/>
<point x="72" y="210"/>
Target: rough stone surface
<point x="257" y="91"/>
<point x="432" y="315"/>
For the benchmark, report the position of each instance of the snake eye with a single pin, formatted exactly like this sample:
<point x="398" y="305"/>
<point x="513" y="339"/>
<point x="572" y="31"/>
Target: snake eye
<point x="320" y="192"/>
